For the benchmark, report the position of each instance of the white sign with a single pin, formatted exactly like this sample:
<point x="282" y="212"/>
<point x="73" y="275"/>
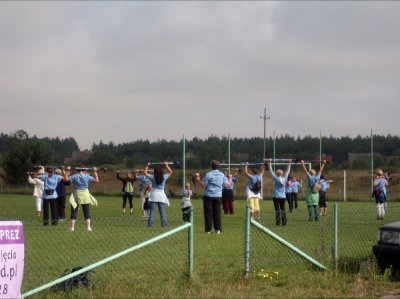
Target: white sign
<point x="11" y="258"/>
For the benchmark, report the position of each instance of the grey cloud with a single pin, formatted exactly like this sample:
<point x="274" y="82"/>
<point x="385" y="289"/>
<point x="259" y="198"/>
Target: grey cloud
<point x="161" y="69"/>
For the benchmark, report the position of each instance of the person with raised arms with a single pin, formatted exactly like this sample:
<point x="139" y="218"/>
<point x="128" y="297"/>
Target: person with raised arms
<point x="81" y="196"/>
<point x="50" y="195"/>
<point x="212" y="183"/>
<point x="144" y="190"/>
<point x="127" y="190"/>
<point x="280" y="180"/>
<point x="38" y="187"/>
<point x="158" y="198"/>
<point x="313" y="187"/>
<point x="253" y="189"/>
<point x="227" y="195"/>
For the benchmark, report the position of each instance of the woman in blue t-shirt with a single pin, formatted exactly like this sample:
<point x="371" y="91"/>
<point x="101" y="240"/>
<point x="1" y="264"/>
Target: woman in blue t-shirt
<point x="158" y="198"/>
<point x="313" y="187"/>
<point x="212" y="183"/>
<point x="280" y="179"/>
<point x="50" y="195"/>
<point x="81" y="196"/>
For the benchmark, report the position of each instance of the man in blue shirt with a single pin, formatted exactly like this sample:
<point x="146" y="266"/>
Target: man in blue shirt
<point x="212" y="183"/>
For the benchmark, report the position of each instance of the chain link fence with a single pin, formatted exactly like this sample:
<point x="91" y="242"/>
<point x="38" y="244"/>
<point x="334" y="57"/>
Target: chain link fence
<point x="50" y="250"/>
<point x="357" y="233"/>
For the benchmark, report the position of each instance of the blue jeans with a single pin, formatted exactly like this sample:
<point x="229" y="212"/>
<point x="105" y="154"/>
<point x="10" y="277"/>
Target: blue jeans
<point x="161" y="208"/>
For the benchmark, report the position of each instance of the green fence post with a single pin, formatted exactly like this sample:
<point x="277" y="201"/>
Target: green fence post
<point x="247" y="242"/>
<point x="190" y="241"/>
<point x="335" y="234"/>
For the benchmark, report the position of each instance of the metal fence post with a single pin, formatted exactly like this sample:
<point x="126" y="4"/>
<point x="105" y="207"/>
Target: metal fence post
<point x="335" y="234"/>
<point x="344" y="186"/>
<point x="247" y="242"/>
<point x="190" y="241"/>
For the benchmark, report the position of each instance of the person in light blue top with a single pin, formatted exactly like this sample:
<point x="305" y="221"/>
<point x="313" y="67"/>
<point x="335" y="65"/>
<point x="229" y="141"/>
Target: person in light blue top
<point x="81" y="195"/>
<point x="50" y="195"/>
<point x="280" y="180"/>
<point x="289" y="193"/>
<point x="81" y="180"/>
<point x="313" y="187"/>
<point x="158" y="198"/>
<point x="227" y="195"/>
<point x="213" y="183"/>
<point x="380" y="184"/>
<point x="323" y="209"/>
<point x="295" y="190"/>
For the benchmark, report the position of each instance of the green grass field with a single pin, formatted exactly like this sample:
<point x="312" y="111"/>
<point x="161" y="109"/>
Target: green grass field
<point x="160" y="270"/>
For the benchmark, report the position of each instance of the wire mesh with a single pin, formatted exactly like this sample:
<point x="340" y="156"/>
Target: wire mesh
<point x="313" y="238"/>
<point x="50" y="250"/>
<point x="357" y="230"/>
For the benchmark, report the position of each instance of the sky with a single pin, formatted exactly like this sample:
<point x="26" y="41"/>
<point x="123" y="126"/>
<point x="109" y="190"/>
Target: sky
<point x="122" y="71"/>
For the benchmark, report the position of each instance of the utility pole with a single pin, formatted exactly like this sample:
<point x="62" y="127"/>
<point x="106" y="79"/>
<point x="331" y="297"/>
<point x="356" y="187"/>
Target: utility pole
<point x="265" y="125"/>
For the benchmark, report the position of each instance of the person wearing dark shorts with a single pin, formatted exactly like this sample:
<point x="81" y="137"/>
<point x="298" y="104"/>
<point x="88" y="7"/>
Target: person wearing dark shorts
<point x="323" y="209"/>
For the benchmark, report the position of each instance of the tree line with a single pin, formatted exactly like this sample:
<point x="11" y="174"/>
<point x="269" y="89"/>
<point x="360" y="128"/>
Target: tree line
<point x="199" y="152"/>
<point x="19" y="151"/>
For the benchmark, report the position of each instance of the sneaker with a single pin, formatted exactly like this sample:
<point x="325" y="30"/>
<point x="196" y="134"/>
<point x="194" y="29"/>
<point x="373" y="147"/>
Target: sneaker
<point x="208" y="233"/>
<point x="218" y="232"/>
<point x="89" y="229"/>
<point x="131" y="211"/>
<point x="123" y="211"/>
<point x="72" y="229"/>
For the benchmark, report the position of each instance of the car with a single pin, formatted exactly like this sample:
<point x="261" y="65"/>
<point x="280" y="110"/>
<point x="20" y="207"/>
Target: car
<point x="387" y="249"/>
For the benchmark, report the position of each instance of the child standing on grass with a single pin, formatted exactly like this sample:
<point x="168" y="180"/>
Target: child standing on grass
<point x="186" y="204"/>
<point x="313" y="187"/>
<point x="295" y="190"/>
<point x="254" y="188"/>
<point x="289" y="193"/>
<point x="323" y="209"/>
<point x="144" y="190"/>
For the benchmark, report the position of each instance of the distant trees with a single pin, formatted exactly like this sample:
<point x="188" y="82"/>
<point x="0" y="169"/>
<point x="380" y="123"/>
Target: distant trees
<point x="248" y="149"/>
<point x="19" y="153"/>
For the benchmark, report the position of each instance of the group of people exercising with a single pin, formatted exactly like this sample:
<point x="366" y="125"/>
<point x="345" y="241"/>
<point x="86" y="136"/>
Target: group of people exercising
<point x="218" y="193"/>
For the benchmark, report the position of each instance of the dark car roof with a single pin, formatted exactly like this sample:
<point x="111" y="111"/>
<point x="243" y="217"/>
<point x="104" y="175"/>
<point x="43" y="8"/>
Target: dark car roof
<point x="391" y="226"/>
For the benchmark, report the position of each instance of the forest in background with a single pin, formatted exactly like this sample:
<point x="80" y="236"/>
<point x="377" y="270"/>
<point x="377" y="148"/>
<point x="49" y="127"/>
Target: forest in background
<point x="19" y="151"/>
